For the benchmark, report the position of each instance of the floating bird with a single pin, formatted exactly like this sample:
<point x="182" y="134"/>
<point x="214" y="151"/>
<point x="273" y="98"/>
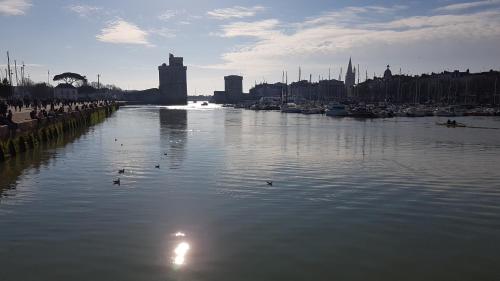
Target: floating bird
<point x="117" y="181"/>
<point x="269" y="183"/>
<point x="116" y="139"/>
<point x="165" y="154"/>
<point x="157" y="166"/>
<point x="122" y="171"/>
<point x="122" y="144"/>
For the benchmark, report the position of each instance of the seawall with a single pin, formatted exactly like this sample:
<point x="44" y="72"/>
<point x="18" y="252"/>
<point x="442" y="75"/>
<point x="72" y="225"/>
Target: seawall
<point x="33" y="133"/>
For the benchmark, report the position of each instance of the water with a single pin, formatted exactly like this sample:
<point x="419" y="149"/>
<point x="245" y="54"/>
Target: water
<point x="395" y="199"/>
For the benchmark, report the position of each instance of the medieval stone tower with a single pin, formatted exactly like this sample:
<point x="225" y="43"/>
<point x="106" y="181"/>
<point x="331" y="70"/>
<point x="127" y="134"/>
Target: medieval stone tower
<point x="173" y="82"/>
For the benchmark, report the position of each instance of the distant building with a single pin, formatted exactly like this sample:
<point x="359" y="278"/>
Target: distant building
<point x="219" y="97"/>
<point x="66" y="92"/>
<point x="173" y="82"/>
<point x="332" y="90"/>
<point x="302" y="91"/>
<point x="350" y="78"/>
<point x="233" y="86"/>
<point x="388" y="73"/>
<point x="268" y="90"/>
<point x="446" y="88"/>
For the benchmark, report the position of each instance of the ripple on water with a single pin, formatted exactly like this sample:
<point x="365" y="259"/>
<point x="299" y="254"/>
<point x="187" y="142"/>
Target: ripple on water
<point x="350" y="200"/>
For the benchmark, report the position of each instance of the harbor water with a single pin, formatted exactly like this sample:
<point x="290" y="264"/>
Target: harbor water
<point x="382" y="199"/>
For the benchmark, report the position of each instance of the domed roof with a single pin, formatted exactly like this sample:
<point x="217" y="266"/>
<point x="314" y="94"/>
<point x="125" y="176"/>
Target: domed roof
<point x="388" y="73"/>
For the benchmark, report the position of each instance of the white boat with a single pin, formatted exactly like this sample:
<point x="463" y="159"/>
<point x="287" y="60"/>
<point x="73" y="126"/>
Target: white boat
<point x="337" y="110"/>
<point x="312" y="110"/>
<point x="290" y="108"/>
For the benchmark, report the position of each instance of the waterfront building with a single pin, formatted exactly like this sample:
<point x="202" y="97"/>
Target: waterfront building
<point x="66" y="92"/>
<point x="267" y="90"/>
<point x="219" y="97"/>
<point x="302" y="91"/>
<point x="454" y="88"/>
<point x="233" y="91"/>
<point x="332" y="90"/>
<point x="388" y="73"/>
<point x="233" y="86"/>
<point x="173" y="82"/>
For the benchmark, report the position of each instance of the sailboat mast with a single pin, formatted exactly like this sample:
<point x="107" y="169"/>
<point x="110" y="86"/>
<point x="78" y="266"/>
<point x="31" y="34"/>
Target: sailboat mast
<point x="15" y="67"/>
<point x="8" y="68"/>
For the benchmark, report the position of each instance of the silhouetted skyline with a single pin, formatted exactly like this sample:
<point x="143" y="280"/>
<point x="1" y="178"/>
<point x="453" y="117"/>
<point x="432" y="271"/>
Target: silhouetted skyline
<point x="124" y="41"/>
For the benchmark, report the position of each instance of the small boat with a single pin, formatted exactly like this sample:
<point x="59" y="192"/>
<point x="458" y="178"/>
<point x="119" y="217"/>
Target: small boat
<point x="312" y="110"/>
<point x="361" y="113"/>
<point x="452" y="124"/>
<point x="204" y="104"/>
<point x="337" y="110"/>
<point x="290" y="108"/>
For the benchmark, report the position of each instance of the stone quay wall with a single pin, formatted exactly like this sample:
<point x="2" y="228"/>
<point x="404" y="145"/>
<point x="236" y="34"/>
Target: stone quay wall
<point x="32" y="133"/>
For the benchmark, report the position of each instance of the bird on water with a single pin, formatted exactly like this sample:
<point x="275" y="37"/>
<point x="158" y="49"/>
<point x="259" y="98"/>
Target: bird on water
<point x="117" y="181"/>
<point x="157" y="166"/>
<point x="122" y="171"/>
<point x="269" y="183"/>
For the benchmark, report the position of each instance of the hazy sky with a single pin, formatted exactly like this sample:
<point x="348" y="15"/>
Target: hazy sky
<point x="126" y="40"/>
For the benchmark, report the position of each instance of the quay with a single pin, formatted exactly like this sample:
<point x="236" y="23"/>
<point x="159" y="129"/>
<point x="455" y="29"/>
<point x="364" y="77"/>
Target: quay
<point x="30" y="133"/>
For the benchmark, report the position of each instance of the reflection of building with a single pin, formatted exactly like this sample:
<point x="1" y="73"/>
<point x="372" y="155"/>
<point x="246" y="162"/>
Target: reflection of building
<point x="65" y="92"/>
<point x="173" y="85"/>
<point x="173" y="134"/>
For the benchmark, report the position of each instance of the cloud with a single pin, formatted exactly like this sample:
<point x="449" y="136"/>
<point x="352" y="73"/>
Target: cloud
<point x="163" y="32"/>
<point x="122" y="32"/>
<point x="14" y="7"/>
<point x="235" y="12"/>
<point x="466" y="6"/>
<point x="34" y="65"/>
<point x="169" y="14"/>
<point x="258" y="29"/>
<point x="84" y="10"/>
<point x="328" y="37"/>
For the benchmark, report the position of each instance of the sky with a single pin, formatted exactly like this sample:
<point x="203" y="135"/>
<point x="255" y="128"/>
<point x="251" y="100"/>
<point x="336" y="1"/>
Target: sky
<point x="126" y="40"/>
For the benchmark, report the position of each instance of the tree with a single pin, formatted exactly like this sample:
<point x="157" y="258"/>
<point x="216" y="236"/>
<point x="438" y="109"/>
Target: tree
<point x="5" y="89"/>
<point x="70" y="78"/>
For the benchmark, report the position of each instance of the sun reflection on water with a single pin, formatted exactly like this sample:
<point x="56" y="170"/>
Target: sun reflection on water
<point x="180" y="253"/>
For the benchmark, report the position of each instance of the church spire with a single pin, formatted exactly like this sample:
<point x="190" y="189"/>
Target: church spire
<point x="350" y="76"/>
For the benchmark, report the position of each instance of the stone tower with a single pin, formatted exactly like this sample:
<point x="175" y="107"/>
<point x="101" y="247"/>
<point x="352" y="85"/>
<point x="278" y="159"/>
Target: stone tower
<point x="173" y="82"/>
<point x="233" y="88"/>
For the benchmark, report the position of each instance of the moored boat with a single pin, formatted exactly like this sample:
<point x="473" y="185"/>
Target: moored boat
<point x="337" y="110"/>
<point x="290" y="108"/>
